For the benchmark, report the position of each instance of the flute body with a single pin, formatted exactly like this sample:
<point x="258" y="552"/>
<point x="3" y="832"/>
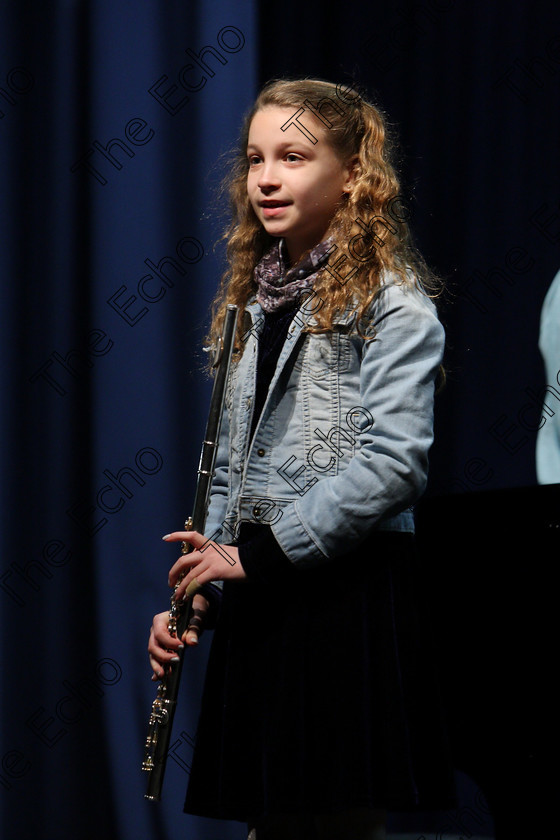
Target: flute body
<point x="164" y="705"/>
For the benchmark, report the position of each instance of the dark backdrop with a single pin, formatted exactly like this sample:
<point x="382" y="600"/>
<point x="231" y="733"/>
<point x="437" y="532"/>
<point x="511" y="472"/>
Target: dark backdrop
<point x="473" y="91"/>
<point x="111" y="149"/>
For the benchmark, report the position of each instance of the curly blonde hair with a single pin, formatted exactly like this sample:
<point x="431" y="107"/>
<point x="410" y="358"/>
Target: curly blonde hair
<point x="371" y="214"/>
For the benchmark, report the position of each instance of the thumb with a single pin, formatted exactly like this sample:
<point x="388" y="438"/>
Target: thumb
<point x="195" y="626"/>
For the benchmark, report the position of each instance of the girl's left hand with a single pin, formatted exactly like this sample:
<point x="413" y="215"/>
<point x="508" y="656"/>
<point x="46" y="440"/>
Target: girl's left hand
<point x="209" y="561"/>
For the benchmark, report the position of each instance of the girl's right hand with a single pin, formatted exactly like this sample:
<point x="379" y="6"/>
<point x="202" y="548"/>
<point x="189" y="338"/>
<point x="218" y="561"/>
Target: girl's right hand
<point x="163" y="647"/>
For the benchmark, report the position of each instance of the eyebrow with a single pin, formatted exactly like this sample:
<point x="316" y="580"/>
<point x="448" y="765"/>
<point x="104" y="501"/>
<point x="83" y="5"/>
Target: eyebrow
<point x="286" y="144"/>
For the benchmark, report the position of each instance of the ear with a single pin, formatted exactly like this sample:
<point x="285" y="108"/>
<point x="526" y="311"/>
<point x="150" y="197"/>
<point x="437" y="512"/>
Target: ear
<point x="351" y="168"/>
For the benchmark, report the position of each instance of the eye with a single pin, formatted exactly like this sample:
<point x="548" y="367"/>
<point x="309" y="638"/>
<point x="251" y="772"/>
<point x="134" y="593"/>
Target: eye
<point x="292" y="157"/>
<point x="253" y="160"/>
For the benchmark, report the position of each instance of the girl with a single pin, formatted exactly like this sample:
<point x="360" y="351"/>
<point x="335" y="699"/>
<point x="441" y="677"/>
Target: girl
<point x="319" y="710"/>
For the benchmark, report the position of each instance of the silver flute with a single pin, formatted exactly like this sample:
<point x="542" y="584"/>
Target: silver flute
<point x="163" y="707"/>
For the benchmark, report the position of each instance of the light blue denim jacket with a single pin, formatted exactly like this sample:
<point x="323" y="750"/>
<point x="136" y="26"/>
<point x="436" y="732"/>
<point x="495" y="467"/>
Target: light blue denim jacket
<point x="341" y="446"/>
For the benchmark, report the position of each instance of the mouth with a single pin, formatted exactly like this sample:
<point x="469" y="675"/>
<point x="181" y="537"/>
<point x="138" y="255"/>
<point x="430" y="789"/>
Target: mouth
<point x="272" y="207"/>
<point x="273" y="202"/>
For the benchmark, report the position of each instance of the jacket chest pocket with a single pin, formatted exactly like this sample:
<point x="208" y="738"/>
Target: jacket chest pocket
<point x="323" y="354"/>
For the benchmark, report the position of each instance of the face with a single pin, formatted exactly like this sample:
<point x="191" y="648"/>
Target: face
<point x="294" y="185"/>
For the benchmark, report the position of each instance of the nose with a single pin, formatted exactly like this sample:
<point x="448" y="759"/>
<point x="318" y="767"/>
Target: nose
<point x="269" y="178"/>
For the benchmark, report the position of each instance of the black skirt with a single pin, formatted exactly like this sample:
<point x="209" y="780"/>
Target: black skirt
<point x="321" y="694"/>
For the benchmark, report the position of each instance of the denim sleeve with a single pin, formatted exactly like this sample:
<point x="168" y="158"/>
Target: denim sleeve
<point x="220" y="487"/>
<point x="217" y="507"/>
<point x="388" y="471"/>
<point x="548" y="435"/>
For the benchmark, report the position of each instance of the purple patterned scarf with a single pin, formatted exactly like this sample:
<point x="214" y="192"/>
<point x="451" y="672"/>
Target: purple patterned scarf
<point x="279" y="287"/>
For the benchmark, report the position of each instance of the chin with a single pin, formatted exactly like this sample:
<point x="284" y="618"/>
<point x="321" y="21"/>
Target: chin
<point x="274" y="230"/>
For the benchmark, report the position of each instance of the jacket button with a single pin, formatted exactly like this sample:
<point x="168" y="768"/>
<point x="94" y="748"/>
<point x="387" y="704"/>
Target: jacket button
<point x="260" y="452"/>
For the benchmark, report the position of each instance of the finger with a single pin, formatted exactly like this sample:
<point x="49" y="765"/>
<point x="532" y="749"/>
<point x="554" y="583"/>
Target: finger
<point x="161" y="662"/>
<point x="162" y="644"/>
<point x="164" y="653"/>
<point x="160" y="637"/>
<point x="183" y="565"/>
<point x="195" y="627"/>
<point x="192" y="582"/>
<point x="188" y="587"/>
<point x="193" y="587"/>
<point x="201" y="602"/>
<point x="193" y="537"/>
<point x="159" y="671"/>
<point x="163" y="648"/>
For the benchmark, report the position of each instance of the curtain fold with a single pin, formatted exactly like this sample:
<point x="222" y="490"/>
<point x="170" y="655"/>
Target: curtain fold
<point x="114" y="115"/>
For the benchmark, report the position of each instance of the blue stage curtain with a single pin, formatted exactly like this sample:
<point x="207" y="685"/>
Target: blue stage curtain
<point x="114" y="119"/>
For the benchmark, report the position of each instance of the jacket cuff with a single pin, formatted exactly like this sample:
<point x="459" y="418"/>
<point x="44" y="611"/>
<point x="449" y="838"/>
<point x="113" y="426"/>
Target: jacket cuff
<point x="262" y="558"/>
